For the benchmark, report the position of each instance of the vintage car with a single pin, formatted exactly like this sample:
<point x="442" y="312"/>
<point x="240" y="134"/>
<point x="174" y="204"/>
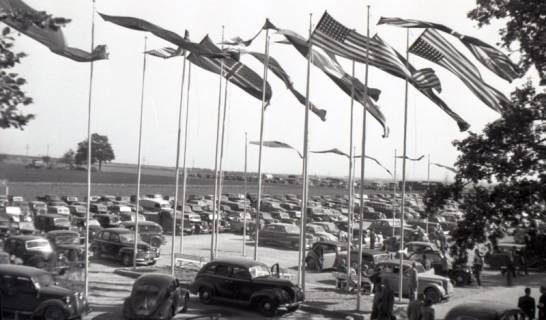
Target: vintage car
<point x="245" y="281"/>
<point x="499" y="258"/>
<point x="48" y="222"/>
<point x="484" y="311"/>
<point x="31" y="293"/>
<point x="77" y="210"/>
<point x="282" y="234"/>
<point x="434" y="287"/>
<point x="107" y="220"/>
<point x="98" y="208"/>
<point x="70" y="199"/>
<point x="460" y="275"/>
<point x="94" y="226"/>
<point x="329" y="250"/>
<point x="34" y="251"/>
<point x="38" y="207"/>
<point x="319" y="233"/>
<point x="66" y="243"/>
<point x="58" y="209"/>
<point x="150" y="232"/>
<point x="156" y="296"/>
<point x="370" y="257"/>
<point x="420" y="246"/>
<point x="118" y="243"/>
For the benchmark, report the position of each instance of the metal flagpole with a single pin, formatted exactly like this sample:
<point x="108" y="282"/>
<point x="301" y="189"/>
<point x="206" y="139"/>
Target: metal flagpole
<point x="221" y="178"/>
<point x="91" y="69"/>
<point x="177" y="167"/>
<point x="214" y="199"/>
<point x="259" y="204"/>
<point x="351" y="183"/>
<point x="395" y="187"/>
<point x="245" y="191"/>
<point x="139" y="166"/>
<point x="184" y="169"/>
<point x="303" y="222"/>
<point x="403" y="208"/>
<point x="428" y="187"/>
<point x="363" y="164"/>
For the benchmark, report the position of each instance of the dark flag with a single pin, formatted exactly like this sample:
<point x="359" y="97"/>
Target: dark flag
<point x="433" y="47"/>
<point x="491" y="57"/>
<point x="13" y="11"/>
<point x="341" y="153"/>
<point x="276" y="144"/>
<point x="334" y="37"/>
<point x="412" y="159"/>
<point x="235" y="71"/>
<point x="445" y="167"/>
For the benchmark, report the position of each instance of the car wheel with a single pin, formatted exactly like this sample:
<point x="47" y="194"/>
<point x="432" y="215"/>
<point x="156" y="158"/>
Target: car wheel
<point x="155" y="243"/>
<point x="54" y="313"/>
<point x="433" y="295"/>
<point x="205" y="295"/>
<point x="126" y="260"/>
<point x="460" y="279"/>
<point x="186" y="303"/>
<point x="267" y="306"/>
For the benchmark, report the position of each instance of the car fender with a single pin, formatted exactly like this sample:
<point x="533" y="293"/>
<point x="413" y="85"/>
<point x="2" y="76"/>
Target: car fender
<point x="194" y="288"/>
<point x="51" y="302"/>
<point x="436" y="286"/>
<point x="278" y="294"/>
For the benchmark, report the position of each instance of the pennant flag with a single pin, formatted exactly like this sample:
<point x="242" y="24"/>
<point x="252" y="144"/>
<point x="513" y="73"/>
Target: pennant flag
<point x="166" y="52"/>
<point x="276" y="68"/>
<point x="167" y="35"/>
<point x="331" y="67"/>
<point x="445" y="167"/>
<point x="489" y="56"/>
<point x="238" y="41"/>
<point x="412" y="159"/>
<point x="334" y="37"/>
<point x="378" y="163"/>
<point x="235" y="71"/>
<point x="433" y="47"/>
<point x="334" y="151"/>
<point x="276" y="144"/>
<point x="13" y="13"/>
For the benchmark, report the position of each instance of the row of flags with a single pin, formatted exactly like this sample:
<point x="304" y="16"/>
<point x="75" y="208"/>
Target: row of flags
<point x="332" y="37"/>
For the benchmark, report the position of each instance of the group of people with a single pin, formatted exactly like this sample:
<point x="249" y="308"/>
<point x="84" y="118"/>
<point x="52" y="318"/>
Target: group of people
<point x="527" y="304"/>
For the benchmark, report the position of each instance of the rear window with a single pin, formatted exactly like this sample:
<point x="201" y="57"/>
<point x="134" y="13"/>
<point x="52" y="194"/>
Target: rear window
<point x="37" y="244"/>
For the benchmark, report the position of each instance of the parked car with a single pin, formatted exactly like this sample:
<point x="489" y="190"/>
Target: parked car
<point x="118" y="243"/>
<point x="420" y="246"/>
<point x="107" y="220"/>
<point x="38" y="207"/>
<point x="70" y="199"/>
<point x="32" y="293"/>
<point x="485" y="311"/>
<point x="67" y="243"/>
<point x="58" y="209"/>
<point x="329" y="250"/>
<point x="48" y="222"/>
<point x="460" y="275"/>
<point x="245" y="281"/>
<point x="94" y="226"/>
<point x="98" y="208"/>
<point x="434" y="287"/>
<point x="77" y="210"/>
<point x="319" y="233"/>
<point x="150" y="232"/>
<point x="34" y="251"/>
<point x="282" y="234"/>
<point x="370" y="257"/>
<point x="161" y="294"/>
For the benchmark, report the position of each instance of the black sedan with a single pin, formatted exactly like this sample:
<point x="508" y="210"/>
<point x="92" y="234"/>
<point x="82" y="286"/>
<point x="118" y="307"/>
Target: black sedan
<point x="484" y="311"/>
<point x="155" y="296"/>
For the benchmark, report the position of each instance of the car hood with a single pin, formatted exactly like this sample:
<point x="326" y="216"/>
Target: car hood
<point x="327" y="236"/>
<point x="55" y="291"/>
<point x="273" y="281"/>
<point x="429" y="275"/>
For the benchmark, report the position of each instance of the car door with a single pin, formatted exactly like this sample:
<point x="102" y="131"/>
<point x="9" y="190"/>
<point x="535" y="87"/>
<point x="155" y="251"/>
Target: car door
<point x="266" y="234"/>
<point x="241" y="287"/>
<point x="114" y="245"/>
<point x="18" y="293"/>
<point x="330" y="254"/>
<point x="224" y="282"/>
<point x="103" y="243"/>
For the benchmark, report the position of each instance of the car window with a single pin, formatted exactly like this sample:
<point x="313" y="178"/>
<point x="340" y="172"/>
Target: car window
<point x="24" y="285"/>
<point x="105" y="236"/>
<point x="211" y="268"/>
<point x="114" y="237"/>
<point x="223" y="270"/>
<point x="329" y="249"/>
<point x="269" y="228"/>
<point x="240" y="273"/>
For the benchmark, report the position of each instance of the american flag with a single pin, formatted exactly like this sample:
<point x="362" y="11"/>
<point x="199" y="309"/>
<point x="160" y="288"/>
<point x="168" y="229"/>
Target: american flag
<point x="432" y="46"/>
<point x="489" y="56"/>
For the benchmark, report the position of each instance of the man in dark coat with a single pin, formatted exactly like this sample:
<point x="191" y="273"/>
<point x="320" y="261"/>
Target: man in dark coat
<point x="386" y="306"/>
<point x="414" y="311"/>
<point x="542" y="304"/>
<point x="372" y="239"/>
<point x="527" y="304"/>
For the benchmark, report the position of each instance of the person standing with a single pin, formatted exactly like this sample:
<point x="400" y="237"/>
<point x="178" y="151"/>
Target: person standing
<point x="377" y="301"/>
<point x="542" y="304"/>
<point x="527" y="304"/>
<point x="426" y="262"/>
<point x="413" y="281"/>
<point x="427" y="312"/>
<point x="414" y="311"/>
<point x="523" y="263"/>
<point x="477" y="267"/>
<point x="387" y="301"/>
<point x="372" y="239"/>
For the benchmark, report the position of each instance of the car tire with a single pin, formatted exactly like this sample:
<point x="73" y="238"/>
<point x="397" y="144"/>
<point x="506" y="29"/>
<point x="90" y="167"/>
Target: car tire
<point x="126" y="260"/>
<point x="206" y="295"/>
<point x="155" y="242"/>
<point x="54" y="313"/>
<point x="186" y="303"/>
<point x="267" y="306"/>
<point x="433" y="295"/>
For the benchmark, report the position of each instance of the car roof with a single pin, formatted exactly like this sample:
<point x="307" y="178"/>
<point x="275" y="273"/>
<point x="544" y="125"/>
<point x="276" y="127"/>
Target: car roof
<point x="244" y="262"/>
<point x="159" y="279"/>
<point x="148" y="223"/>
<point x="117" y="230"/>
<point x="52" y="215"/>
<point x="424" y="243"/>
<point x="27" y="237"/>
<point x="19" y="270"/>
<point x="397" y="262"/>
<point x="56" y="232"/>
<point x="481" y="310"/>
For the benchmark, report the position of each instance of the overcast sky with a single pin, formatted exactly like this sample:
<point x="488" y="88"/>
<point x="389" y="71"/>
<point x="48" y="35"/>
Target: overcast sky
<point x="60" y="86"/>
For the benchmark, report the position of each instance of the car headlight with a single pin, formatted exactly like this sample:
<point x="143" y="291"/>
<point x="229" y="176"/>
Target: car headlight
<point x="68" y="300"/>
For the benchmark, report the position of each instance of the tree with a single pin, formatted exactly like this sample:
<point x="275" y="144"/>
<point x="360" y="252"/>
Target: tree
<point x="101" y="150"/>
<point x="12" y="97"/>
<point x="69" y="158"/>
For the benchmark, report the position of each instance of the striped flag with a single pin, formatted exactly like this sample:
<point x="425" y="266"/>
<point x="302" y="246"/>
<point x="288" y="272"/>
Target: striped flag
<point x="432" y="46"/>
<point x="14" y="11"/>
<point x="235" y="71"/>
<point x="491" y="57"/>
<point x="276" y="144"/>
<point x="445" y="167"/>
<point x="334" y="37"/>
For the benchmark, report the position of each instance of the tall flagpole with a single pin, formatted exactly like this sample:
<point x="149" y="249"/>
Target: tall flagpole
<point x="394" y="202"/>
<point x="245" y="191"/>
<point x="177" y="167"/>
<point x="221" y="178"/>
<point x="91" y="69"/>
<point x="351" y="184"/>
<point x="184" y="168"/>
<point x="214" y="198"/>
<point x="428" y="187"/>
<point x="403" y="208"/>
<point x="303" y="222"/>
<point x="139" y="166"/>
<point x="264" y="87"/>
<point x="363" y="164"/>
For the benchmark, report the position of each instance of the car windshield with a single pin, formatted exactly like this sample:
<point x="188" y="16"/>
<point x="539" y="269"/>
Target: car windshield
<point x="37" y="244"/>
<point x="259" y="271"/>
<point x="43" y="280"/>
<point x="420" y="268"/>
<point x="318" y="229"/>
<point x="128" y="237"/>
<point x="292" y="229"/>
<point x="147" y="288"/>
<point x="67" y="239"/>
